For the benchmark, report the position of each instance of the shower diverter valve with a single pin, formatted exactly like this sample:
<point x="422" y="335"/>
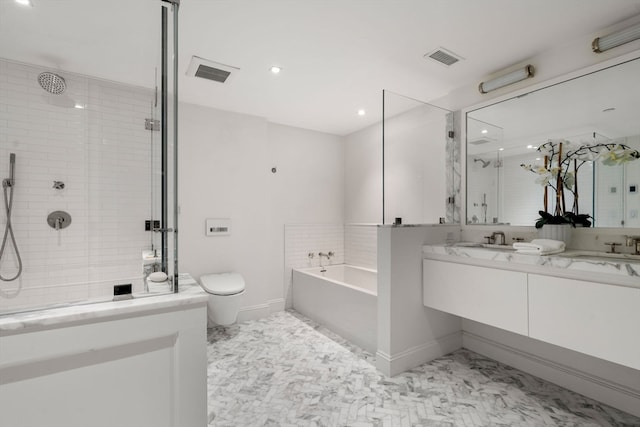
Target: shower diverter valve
<point x="59" y="220"/>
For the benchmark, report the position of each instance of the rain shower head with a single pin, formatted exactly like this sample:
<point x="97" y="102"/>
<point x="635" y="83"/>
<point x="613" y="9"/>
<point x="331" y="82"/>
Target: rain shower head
<point x="52" y="82"/>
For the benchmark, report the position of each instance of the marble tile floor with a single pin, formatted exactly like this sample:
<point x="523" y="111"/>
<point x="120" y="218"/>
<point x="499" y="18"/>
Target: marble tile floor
<point x="286" y="370"/>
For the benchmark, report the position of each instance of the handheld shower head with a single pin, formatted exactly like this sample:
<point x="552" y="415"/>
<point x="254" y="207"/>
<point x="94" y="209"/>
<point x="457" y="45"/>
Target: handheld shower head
<point x="8" y="182"/>
<point x="12" y="165"/>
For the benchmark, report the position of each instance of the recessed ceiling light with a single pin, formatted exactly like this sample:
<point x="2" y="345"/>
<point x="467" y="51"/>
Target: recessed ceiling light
<point x="361" y="112"/>
<point x="484" y="131"/>
<point x="530" y="146"/>
<point x="501" y="149"/>
<point x="275" y="69"/>
<point x="79" y="106"/>
<point x="24" y="2"/>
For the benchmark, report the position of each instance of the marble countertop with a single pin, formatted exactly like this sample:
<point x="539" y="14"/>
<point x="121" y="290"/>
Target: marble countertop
<point x="576" y="264"/>
<point x="190" y="295"/>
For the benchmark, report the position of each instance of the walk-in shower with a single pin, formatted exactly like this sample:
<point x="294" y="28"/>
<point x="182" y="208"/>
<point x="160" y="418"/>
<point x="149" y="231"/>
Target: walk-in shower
<point x="76" y="240"/>
<point x="9" y="239"/>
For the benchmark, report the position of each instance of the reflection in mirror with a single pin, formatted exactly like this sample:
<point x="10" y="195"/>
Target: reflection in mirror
<point x="597" y="108"/>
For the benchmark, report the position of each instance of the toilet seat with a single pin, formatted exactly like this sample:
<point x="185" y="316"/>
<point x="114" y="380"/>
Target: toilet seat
<point x="223" y="284"/>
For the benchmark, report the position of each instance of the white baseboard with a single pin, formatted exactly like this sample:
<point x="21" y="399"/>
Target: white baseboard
<point x="260" y="311"/>
<point x="397" y="363"/>
<point x="606" y="391"/>
<point x="276" y="305"/>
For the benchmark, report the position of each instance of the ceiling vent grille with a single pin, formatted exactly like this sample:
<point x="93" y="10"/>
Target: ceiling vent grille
<point x="210" y="70"/>
<point x="443" y="56"/>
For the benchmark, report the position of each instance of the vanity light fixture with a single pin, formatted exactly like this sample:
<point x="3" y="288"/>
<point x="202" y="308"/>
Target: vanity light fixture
<point x="601" y="44"/>
<point x="507" y="79"/>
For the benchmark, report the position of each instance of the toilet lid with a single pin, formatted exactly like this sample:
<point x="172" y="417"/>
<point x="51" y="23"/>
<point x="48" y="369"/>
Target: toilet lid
<point x="222" y="283"/>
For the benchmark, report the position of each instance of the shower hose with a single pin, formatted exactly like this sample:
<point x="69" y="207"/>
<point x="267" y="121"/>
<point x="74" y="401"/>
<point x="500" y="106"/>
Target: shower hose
<point x="8" y="234"/>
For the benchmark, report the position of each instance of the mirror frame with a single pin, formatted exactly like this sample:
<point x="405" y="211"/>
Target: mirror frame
<point x="593" y="68"/>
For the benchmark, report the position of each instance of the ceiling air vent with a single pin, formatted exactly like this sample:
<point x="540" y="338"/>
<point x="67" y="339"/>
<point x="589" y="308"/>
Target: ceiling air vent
<point x="443" y="56"/>
<point x="210" y="70"/>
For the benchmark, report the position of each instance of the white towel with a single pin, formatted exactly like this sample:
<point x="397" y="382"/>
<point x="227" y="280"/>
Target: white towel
<point x="540" y="247"/>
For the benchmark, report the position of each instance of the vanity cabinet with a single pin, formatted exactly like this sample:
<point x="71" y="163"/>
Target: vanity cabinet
<point x="593" y="318"/>
<point x="487" y="295"/>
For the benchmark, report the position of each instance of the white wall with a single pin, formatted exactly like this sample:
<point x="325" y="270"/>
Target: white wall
<point x="363" y="176"/>
<point x="567" y="57"/>
<point x="410" y="334"/>
<point x="225" y="172"/>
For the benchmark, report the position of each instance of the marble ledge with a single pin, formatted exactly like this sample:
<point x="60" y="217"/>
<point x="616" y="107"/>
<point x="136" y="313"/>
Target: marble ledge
<point x="190" y="296"/>
<point x="569" y="264"/>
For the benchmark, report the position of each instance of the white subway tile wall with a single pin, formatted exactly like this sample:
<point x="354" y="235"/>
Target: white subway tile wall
<point x="352" y="244"/>
<point x="361" y="245"/>
<point x="302" y="239"/>
<point x="103" y="154"/>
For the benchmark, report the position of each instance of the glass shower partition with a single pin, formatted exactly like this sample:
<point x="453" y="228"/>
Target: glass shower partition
<point x="417" y="159"/>
<point x="97" y="151"/>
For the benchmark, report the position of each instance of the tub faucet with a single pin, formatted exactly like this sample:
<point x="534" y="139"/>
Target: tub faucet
<point x="328" y="255"/>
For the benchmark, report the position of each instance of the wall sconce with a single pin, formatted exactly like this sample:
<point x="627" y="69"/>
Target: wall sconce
<point x="600" y="44"/>
<point x="507" y="79"/>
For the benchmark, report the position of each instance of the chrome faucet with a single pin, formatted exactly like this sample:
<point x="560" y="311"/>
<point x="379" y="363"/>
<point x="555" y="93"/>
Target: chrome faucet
<point x="634" y="242"/>
<point x="497" y="238"/>
<point x="328" y="255"/>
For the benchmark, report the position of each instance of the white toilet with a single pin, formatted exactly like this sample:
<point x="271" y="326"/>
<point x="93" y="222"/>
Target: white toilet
<point x="225" y="291"/>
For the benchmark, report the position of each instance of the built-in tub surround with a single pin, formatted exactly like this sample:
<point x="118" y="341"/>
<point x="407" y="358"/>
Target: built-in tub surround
<point x="343" y="298"/>
<point x="72" y="366"/>
<point x="540" y="313"/>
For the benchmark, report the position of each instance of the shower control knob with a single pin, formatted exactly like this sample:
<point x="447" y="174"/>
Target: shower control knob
<point x="59" y="220"/>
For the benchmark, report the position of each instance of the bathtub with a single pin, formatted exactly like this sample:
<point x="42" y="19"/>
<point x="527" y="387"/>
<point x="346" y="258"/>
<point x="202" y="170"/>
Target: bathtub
<point x="343" y="299"/>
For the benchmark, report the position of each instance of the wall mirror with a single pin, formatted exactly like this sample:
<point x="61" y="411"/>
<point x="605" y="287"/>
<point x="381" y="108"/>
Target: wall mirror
<point x="599" y="107"/>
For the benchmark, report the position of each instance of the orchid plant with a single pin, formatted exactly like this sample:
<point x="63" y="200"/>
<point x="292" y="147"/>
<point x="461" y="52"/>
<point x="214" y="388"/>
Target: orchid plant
<point x="562" y="161"/>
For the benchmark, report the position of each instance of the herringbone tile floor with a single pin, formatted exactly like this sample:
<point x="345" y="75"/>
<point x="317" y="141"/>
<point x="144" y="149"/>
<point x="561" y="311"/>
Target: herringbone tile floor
<point x="287" y="371"/>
